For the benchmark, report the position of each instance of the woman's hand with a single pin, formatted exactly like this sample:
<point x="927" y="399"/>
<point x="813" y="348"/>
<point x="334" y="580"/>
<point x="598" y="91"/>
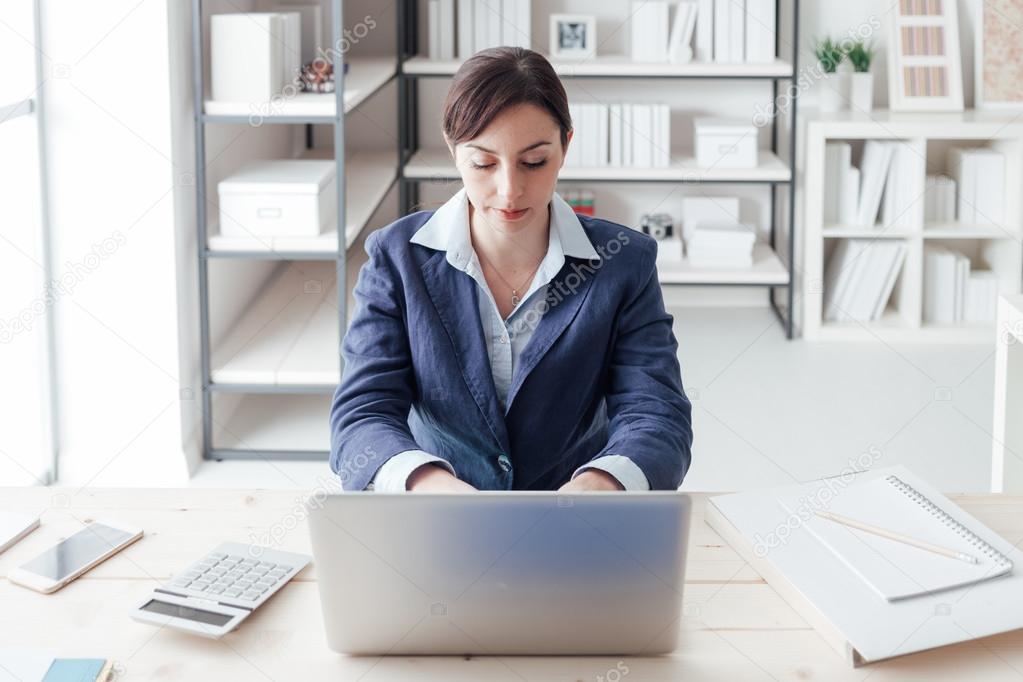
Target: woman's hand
<point x="433" y="478"/>
<point x="592" y="479"/>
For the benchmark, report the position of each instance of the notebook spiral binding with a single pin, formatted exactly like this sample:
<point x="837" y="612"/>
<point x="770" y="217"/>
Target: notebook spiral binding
<point x="975" y="540"/>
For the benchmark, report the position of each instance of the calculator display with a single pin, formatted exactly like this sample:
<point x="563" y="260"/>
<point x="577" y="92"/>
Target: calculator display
<point x="186" y="612"/>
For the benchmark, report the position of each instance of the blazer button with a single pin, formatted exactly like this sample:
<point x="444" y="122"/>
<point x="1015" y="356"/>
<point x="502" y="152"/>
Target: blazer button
<point x="504" y="462"/>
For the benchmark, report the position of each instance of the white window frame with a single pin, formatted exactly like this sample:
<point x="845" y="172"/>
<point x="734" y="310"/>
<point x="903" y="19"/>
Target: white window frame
<point x="9" y="111"/>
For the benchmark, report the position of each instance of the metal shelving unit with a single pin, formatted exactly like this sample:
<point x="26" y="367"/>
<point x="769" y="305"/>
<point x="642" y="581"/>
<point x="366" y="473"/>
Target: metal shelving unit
<point x="306" y="110"/>
<point x="417" y="166"/>
<point x="376" y="173"/>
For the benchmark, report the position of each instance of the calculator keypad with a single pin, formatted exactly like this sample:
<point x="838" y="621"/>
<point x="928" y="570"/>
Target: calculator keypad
<point x="230" y="575"/>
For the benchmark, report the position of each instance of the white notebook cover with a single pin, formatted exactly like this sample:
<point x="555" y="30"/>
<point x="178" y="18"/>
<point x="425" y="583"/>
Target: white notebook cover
<point x="896" y="570"/>
<point x="851" y="616"/>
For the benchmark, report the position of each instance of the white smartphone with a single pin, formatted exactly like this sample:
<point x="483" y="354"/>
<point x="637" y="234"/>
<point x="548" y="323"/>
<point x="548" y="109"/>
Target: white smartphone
<point x="73" y="556"/>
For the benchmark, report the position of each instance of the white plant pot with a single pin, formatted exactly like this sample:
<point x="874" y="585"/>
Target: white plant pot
<point x="832" y="92"/>
<point x="861" y="91"/>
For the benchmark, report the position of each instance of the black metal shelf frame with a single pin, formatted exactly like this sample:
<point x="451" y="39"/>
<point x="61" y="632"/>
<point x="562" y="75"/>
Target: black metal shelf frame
<point x="408" y="118"/>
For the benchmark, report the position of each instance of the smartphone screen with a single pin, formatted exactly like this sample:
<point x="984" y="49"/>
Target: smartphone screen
<point x="77" y="551"/>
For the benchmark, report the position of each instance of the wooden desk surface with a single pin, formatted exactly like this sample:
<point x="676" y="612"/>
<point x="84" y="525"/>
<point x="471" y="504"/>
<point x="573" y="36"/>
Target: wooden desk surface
<point x="734" y="625"/>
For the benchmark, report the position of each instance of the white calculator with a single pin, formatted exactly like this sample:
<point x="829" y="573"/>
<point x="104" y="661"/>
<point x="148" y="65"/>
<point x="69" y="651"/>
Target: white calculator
<point x="213" y="595"/>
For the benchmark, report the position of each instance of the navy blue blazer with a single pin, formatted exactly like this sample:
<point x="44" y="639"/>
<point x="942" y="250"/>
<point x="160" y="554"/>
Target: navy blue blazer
<point x="600" y="376"/>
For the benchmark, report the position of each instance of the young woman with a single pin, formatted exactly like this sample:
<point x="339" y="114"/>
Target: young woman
<point x="503" y="342"/>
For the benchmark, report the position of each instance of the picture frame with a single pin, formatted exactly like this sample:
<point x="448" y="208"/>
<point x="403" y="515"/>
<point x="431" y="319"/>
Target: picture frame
<point x="998" y="73"/>
<point x="573" y="36"/>
<point x="924" y="62"/>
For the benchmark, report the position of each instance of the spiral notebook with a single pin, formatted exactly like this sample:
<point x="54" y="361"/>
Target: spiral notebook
<point x="893" y="569"/>
<point x="842" y="597"/>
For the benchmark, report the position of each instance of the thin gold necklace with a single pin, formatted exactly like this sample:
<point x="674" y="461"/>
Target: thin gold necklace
<point x="515" y="290"/>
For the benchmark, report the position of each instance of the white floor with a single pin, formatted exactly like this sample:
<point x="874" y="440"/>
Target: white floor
<point x="768" y="411"/>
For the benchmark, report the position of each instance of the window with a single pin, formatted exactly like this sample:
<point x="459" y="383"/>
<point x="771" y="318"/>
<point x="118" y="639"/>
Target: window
<point x="27" y="445"/>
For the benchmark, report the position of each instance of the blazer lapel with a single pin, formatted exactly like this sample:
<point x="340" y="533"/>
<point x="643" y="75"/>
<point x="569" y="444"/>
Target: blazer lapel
<point x="454" y="295"/>
<point x="551" y="326"/>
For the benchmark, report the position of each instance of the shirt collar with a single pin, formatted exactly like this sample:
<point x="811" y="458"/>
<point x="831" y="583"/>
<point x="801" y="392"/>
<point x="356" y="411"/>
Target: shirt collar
<point x="448" y="230"/>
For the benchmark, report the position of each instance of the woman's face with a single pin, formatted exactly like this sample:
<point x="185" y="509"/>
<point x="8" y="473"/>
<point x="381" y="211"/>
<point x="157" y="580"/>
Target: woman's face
<point x="511" y="168"/>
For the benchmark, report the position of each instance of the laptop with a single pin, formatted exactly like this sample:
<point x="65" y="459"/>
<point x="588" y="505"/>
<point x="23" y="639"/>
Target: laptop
<point x="522" y="572"/>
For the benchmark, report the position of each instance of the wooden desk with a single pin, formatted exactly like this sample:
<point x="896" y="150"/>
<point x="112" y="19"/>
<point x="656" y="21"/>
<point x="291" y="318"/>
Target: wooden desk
<point x="734" y="625"/>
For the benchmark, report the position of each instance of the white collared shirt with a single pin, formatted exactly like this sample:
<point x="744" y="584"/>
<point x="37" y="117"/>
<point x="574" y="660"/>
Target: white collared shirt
<point x="448" y="230"/>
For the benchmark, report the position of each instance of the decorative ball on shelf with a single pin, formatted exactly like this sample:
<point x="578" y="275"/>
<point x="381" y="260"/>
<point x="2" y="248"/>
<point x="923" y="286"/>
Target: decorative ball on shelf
<point x="318" y="76"/>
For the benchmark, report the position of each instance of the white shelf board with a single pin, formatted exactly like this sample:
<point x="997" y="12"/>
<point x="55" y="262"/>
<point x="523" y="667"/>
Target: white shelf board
<point x="613" y="66"/>
<point x="428" y="164"/>
<point x="891" y="318"/>
<point x="369" y="176"/>
<point x="893" y="327"/>
<point x="313" y="358"/>
<point x="365" y="76"/>
<point x="963" y="231"/>
<point x="877" y="232"/>
<point x="985" y="330"/>
<point x="767" y="269"/>
<point x="883" y="124"/>
<point x="272" y="422"/>
<point x="288" y="335"/>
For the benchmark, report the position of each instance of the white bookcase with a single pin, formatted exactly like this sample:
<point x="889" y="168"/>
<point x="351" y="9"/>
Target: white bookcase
<point x="997" y="247"/>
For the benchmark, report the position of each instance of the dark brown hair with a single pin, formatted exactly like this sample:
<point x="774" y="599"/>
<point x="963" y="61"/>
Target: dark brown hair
<point x="494" y="79"/>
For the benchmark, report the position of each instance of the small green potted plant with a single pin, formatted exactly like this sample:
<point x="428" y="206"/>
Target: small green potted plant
<point x="860" y="54"/>
<point x="829" y="55"/>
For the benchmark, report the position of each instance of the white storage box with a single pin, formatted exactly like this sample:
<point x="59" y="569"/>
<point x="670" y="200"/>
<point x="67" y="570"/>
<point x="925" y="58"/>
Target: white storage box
<point x="286" y="197"/>
<point x="724" y="244"/>
<point x="725" y="143"/>
<point x="697" y="211"/>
